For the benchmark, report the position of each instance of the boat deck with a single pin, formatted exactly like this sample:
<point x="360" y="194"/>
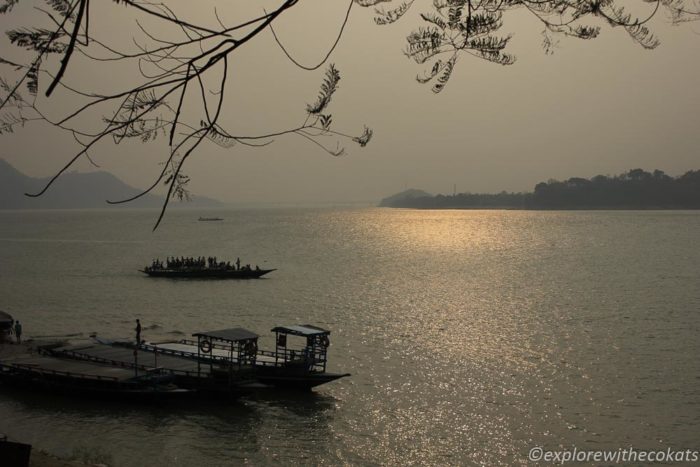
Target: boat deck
<point x="124" y="357"/>
<point x="65" y="367"/>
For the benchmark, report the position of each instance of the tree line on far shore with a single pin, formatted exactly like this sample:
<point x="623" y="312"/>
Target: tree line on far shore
<point x="636" y="189"/>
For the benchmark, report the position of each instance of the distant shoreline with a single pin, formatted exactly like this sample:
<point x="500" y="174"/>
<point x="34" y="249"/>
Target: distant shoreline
<point x="633" y="190"/>
<point x="519" y="208"/>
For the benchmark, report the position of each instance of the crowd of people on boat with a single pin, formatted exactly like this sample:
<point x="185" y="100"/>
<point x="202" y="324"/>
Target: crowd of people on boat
<point x="199" y="263"/>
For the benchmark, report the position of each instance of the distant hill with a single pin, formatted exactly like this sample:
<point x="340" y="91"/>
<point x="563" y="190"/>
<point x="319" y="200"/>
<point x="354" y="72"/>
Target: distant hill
<point x="404" y="196"/>
<point x="635" y="189"/>
<point x="75" y="191"/>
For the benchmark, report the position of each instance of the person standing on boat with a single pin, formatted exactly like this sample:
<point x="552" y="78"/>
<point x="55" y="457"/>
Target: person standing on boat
<point x="138" y="332"/>
<point x="18" y="332"/>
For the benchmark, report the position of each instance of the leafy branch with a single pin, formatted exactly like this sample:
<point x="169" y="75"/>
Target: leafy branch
<point x="165" y="102"/>
<point x="455" y="27"/>
<point x="175" y="102"/>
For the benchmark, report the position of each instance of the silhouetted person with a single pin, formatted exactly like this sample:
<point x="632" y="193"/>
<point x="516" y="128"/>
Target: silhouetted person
<point x="138" y="332"/>
<point x="18" y="332"/>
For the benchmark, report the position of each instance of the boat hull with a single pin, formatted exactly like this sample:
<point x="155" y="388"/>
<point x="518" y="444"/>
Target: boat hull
<point x="79" y="386"/>
<point x="281" y="379"/>
<point x="207" y="273"/>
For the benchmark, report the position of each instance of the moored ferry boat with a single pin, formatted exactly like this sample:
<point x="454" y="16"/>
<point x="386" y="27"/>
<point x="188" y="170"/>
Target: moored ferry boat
<point x="225" y="361"/>
<point x="235" y="352"/>
<point x="287" y="367"/>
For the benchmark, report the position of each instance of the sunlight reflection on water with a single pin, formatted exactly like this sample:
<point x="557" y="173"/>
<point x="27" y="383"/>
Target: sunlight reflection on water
<point x="471" y="335"/>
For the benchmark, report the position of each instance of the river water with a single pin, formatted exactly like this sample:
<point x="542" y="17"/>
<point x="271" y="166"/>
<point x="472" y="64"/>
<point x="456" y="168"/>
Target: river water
<point x="471" y="336"/>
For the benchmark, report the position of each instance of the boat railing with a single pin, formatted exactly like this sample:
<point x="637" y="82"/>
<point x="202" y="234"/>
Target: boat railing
<point x="273" y="358"/>
<point x="77" y="355"/>
<point x="222" y="361"/>
<point x="287" y="356"/>
<point x="214" y="345"/>
<point x="183" y="353"/>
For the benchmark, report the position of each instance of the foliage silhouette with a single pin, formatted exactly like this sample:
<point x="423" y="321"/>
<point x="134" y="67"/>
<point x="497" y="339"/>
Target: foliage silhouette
<point x="635" y="189"/>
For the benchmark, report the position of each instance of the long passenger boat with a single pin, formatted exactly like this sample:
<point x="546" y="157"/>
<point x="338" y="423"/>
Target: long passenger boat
<point x="225" y="361"/>
<point x="203" y="268"/>
<point x="206" y="273"/>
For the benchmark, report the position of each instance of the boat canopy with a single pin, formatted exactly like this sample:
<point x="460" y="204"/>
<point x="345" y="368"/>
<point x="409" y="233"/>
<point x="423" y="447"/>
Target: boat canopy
<point x="228" y="335"/>
<point x="305" y="330"/>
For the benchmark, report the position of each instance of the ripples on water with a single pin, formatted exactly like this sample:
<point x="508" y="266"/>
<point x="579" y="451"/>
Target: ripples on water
<point x="471" y="335"/>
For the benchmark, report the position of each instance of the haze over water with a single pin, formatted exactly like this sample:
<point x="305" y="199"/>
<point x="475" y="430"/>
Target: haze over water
<point x="471" y="336"/>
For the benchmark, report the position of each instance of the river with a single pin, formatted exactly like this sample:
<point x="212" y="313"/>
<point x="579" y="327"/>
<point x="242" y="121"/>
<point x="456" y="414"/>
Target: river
<point x="471" y="336"/>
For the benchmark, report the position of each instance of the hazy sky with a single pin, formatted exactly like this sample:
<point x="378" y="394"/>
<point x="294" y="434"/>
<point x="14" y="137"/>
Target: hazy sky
<point x="593" y="107"/>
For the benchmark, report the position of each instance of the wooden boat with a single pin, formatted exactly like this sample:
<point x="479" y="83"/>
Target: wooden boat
<point x="285" y="367"/>
<point x="206" y="273"/>
<point x="225" y="361"/>
<point x="209" y="219"/>
<point x="297" y="368"/>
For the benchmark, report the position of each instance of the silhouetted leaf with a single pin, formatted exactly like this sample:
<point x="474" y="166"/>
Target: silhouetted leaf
<point x="33" y="77"/>
<point x="40" y="40"/>
<point x="364" y="138"/>
<point x="328" y="87"/>
<point x="7" y="6"/>
<point x="390" y="16"/>
<point x="370" y="2"/>
<point x="445" y="74"/>
<point x="61" y="6"/>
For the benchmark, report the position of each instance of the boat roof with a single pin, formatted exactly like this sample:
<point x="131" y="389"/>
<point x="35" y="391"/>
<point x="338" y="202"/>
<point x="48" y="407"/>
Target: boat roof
<point x="5" y="316"/>
<point x="229" y="335"/>
<point x="301" y="330"/>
